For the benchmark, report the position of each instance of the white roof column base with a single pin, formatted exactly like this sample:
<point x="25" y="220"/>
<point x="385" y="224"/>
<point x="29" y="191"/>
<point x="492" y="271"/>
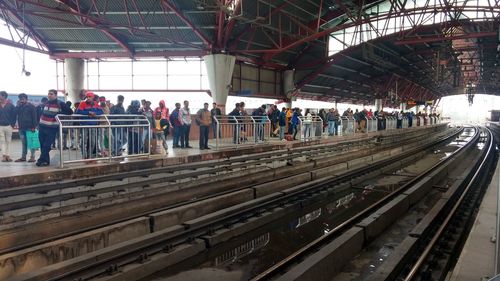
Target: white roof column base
<point x="220" y="72"/>
<point x="288" y="86"/>
<point x="75" y="74"/>
<point x="378" y="105"/>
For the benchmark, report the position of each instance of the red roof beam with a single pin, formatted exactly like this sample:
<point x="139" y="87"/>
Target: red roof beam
<point x="76" y="9"/>
<point x="230" y="26"/>
<point x="10" y="43"/>
<point x="27" y="25"/>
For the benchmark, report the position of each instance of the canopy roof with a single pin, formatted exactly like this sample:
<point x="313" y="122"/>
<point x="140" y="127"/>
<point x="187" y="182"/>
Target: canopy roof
<point x="406" y="49"/>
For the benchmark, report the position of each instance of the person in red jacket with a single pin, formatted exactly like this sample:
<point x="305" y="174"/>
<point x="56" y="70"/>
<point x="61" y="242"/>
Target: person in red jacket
<point x="91" y="136"/>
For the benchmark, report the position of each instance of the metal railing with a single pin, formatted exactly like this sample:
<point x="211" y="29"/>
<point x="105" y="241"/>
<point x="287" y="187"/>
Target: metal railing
<point x="420" y="121"/>
<point x="234" y="131"/>
<point x="371" y="124"/>
<point x="310" y="128"/>
<point x="390" y="122"/>
<point x="405" y="122"/>
<point x="347" y="125"/>
<point x="103" y="137"/>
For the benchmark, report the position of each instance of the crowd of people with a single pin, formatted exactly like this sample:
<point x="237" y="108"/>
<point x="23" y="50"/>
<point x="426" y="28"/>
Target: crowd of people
<point x="42" y="118"/>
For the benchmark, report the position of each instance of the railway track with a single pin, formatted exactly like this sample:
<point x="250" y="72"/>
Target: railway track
<point x="324" y="257"/>
<point x="175" y="242"/>
<point x="95" y="202"/>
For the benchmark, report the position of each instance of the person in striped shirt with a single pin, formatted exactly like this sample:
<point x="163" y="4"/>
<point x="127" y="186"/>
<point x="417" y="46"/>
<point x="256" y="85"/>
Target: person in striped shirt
<point x="48" y="126"/>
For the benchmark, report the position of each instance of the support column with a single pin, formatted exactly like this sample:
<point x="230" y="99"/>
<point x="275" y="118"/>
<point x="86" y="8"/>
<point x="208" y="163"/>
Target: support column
<point x="378" y="105"/>
<point x="220" y="72"/>
<point x="75" y="74"/>
<point x="403" y="106"/>
<point x="288" y="86"/>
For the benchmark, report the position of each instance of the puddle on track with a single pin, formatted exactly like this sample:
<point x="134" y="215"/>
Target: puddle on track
<point x="244" y="257"/>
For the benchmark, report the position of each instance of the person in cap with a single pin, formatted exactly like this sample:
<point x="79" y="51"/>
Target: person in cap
<point x="91" y="136"/>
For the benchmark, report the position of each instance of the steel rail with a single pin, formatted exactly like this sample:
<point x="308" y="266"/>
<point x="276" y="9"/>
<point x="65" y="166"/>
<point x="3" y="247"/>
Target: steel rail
<point x="288" y="156"/>
<point x="45" y="187"/>
<point x="167" y="178"/>
<point x="155" y="243"/>
<point x="217" y="167"/>
<point x="298" y="255"/>
<point x="418" y="264"/>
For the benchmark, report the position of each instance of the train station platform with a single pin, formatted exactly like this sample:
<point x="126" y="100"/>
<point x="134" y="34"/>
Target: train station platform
<point x="477" y="260"/>
<point x="24" y="173"/>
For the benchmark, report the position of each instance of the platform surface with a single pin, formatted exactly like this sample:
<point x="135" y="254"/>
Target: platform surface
<point x="13" y="174"/>
<point x="477" y="258"/>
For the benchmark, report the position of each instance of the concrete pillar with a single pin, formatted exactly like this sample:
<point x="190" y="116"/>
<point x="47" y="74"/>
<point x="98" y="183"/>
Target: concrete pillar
<point x="220" y="71"/>
<point x="75" y="74"/>
<point x="403" y="106"/>
<point x="288" y="86"/>
<point x="378" y="105"/>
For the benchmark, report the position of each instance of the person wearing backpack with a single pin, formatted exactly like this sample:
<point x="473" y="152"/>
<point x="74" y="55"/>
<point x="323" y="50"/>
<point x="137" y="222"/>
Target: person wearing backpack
<point x="48" y="125"/>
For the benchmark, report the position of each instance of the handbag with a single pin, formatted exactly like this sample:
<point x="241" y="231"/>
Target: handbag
<point x="32" y="141"/>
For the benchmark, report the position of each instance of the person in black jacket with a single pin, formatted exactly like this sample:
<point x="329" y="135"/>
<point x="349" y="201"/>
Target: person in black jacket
<point x="7" y="123"/>
<point x="119" y="135"/>
<point x="235" y="117"/>
<point x="215" y="112"/>
<point x="26" y="121"/>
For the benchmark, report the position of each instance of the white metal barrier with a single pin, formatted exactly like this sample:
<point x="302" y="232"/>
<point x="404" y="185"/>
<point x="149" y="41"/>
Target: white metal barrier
<point x="420" y="121"/>
<point x="234" y="131"/>
<point x="103" y="137"/>
<point x="311" y="128"/>
<point x="348" y="125"/>
<point x="371" y="124"/>
<point x="390" y="122"/>
<point x="405" y="122"/>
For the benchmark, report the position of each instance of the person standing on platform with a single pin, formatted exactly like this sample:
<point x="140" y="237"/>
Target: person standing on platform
<point x="185" y="117"/>
<point x="176" y="123"/>
<point x="146" y="134"/>
<point x="330" y="118"/>
<point x="295" y="122"/>
<point x="26" y="121"/>
<point x="235" y="118"/>
<point x="7" y="123"/>
<point x="39" y="107"/>
<point x="90" y="136"/>
<point x="163" y="110"/>
<point x="160" y="126"/>
<point x="204" y="119"/>
<point x="282" y="123"/>
<point x="215" y="112"/>
<point x="133" y="136"/>
<point x="118" y="139"/>
<point x="48" y="126"/>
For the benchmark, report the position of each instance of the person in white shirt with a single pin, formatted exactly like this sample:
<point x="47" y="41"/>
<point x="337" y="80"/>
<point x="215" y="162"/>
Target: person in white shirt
<point x="185" y="118"/>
